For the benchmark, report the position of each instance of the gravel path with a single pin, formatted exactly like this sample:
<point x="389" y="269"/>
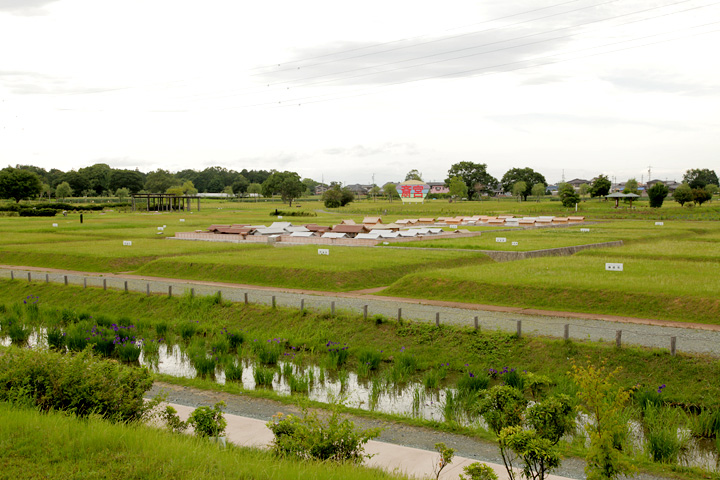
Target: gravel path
<point x="690" y="338"/>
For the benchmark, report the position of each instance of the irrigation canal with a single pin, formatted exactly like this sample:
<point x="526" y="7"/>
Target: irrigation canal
<point x="686" y="337"/>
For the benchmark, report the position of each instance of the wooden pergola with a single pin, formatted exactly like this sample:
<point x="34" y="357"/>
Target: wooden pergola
<point x="164" y="202"/>
<point x="617" y="196"/>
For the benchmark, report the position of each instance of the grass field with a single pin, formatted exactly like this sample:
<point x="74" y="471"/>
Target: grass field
<point x="670" y="270"/>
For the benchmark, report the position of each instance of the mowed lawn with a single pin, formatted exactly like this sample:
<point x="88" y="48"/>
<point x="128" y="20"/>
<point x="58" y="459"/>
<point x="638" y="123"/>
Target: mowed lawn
<point x="345" y="268"/>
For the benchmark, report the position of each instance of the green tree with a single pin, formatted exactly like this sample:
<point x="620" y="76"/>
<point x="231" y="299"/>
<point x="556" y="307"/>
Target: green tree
<point x="160" y="180"/>
<point x="538" y="190"/>
<point x="699" y="177"/>
<point x="122" y="193"/>
<point x="374" y="192"/>
<point x="133" y="180"/>
<point x="584" y="189"/>
<point x="539" y="456"/>
<point x="19" y="184"/>
<point x="600" y="186"/>
<point x="287" y="184"/>
<point x="188" y="188"/>
<point x="527" y="175"/>
<point x="337" y="196"/>
<point x="631" y="186"/>
<point x="503" y="406"/>
<point x="63" y="190"/>
<point x="519" y="189"/>
<point x="310" y="185"/>
<point x="77" y="182"/>
<point x="657" y="194"/>
<point x="700" y="196"/>
<point x="390" y="191"/>
<point x="711" y="189"/>
<point x="413" y="175"/>
<point x="683" y="194"/>
<point x="98" y="177"/>
<point x="458" y="188"/>
<point x="475" y="176"/>
<point x="568" y="195"/>
<point x="255" y="189"/>
<point x="604" y="401"/>
<point x="240" y="184"/>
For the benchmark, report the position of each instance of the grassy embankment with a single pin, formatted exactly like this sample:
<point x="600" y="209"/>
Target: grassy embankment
<point x="62" y="447"/>
<point x="689" y="379"/>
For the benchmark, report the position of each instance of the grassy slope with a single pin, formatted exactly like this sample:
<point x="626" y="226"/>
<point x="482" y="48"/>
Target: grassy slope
<point x="689" y="379"/>
<point x="56" y="446"/>
<point x="346" y="268"/>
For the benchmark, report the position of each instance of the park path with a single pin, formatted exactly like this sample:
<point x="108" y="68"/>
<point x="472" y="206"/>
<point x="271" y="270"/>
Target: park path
<point x="689" y="337"/>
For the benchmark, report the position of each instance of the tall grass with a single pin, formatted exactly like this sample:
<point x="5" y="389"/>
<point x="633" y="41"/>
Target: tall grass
<point x="63" y="447"/>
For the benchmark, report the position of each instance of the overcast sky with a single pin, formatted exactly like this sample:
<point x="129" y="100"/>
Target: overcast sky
<point x="344" y="90"/>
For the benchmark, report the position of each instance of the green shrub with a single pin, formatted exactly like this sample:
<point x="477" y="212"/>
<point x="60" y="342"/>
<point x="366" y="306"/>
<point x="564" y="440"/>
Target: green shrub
<point x="203" y="363"/>
<point x="235" y="339"/>
<point x="514" y="379"/>
<point x="128" y="349"/>
<point x="81" y="384"/>
<point x="102" y="341"/>
<point x="161" y="329"/>
<point x="298" y="383"/>
<point x="309" y="437"/>
<point x="76" y="337"/>
<point x="208" y="422"/>
<point x="478" y="471"/>
<point x="37" y="212"/>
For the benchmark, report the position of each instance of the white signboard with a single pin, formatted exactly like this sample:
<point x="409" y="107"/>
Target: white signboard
<point x="127" y="243"/>
<point x="500" y="239"/>
<point x="585" y="230"/>
<point x="182" y="219"/>
<point x="615" y="267"/>
<point x="514" y="244"/>
<point x="161" y="228"/>
<point x="279" y="217"/>
<point x="453" y="226"/>
<point x="54" y="224"/>
<point x="323" y="251"/>
<point x="659" y="224"/>
<point x="386" y="243"/>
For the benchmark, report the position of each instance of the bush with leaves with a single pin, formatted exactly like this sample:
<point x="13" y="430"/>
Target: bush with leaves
<point x="478" y="471"/>
<point x="604" y="401"/>
<point x="568" y="195"/>
<point x="208" y="422"/>
<point x="657" y="194"/>
<point x="308" y="436"/>
<point x="683" y="194"/>
<point x="82" y="384"/>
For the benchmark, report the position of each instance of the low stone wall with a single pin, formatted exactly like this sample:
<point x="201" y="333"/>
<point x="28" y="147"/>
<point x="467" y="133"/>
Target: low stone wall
<point x="357" y="242"/>
<point x="503" y="256"/>
<point x="216" y="237"/>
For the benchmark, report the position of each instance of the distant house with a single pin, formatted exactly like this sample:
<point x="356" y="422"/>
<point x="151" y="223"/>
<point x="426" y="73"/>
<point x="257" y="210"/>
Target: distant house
<point x="320" y="188"/>
<point x="576" y="182"/>
<point x="671" y="184"/>
<point x="358" y="189"/>
<point x="438" y="187"/>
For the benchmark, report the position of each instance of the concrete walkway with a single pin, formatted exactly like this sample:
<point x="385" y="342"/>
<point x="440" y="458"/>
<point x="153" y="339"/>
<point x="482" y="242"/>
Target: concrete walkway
<point x="414" y="462"/>
<point x="689" y="337"/>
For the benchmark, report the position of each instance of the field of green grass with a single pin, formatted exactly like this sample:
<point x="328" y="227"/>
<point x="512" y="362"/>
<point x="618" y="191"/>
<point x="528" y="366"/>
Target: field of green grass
<point x="670" y="270"/>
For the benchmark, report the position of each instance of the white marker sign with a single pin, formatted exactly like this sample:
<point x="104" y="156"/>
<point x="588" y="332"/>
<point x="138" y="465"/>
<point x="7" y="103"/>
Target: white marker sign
<point x="54" y="224"/>
<point x="614" y="267"/>
<point x="279" y="217"/>
<point x="514" y="244"/>
<point x="323" y="251"/>
<point x="659" y="224"/>
<point x="182" y="219"/>
<point x="161" y="228"/>
<point x="453" y="226"/>
<point x="127" y="243"/>
<point x="500" y="239"/>
<point x="585" y="230"/>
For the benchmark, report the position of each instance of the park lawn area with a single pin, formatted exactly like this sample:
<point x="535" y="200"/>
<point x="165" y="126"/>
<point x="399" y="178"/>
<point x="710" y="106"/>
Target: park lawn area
<point x="699" y="249"/>
<point x="663" y="289"/>
<point x="571" y="235"/>
<point x="345" y="268"/>
<point x="103" y="255"/>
